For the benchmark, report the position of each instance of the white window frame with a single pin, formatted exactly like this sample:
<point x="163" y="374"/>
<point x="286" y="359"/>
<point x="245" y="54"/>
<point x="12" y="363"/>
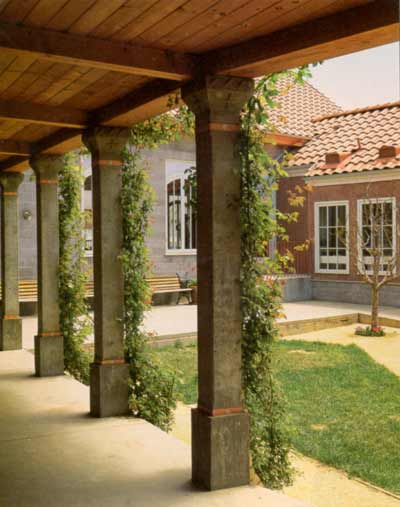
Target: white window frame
<point x="317" y="269"/>
<point x="175" y="169"/>
<point x="87" y="172"/>
<point x="377" y="200"/>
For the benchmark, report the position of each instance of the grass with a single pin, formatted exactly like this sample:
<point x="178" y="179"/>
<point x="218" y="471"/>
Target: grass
<point x="344" y="407"/>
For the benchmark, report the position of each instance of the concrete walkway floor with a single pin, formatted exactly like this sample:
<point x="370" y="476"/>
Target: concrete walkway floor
<point x="53" y="454"/>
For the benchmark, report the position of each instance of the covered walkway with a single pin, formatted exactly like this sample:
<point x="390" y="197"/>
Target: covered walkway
<point x="74" y="73"/>
<point x="52" y="453"/>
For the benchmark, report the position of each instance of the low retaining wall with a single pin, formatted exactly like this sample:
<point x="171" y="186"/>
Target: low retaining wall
<point x="296" y="288"/>
<point x="308" y="325"/>
<point x="289" y="328"/>
<point x="353" y="292"/>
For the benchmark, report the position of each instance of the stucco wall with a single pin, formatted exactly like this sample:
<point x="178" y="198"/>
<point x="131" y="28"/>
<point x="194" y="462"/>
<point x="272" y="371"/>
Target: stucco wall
<point x="27" y="228"/>
<point x="163" y="263"/>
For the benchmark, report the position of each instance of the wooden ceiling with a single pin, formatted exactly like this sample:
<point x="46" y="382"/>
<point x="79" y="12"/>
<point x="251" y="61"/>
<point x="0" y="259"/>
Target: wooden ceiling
<point x="68" y="64"/>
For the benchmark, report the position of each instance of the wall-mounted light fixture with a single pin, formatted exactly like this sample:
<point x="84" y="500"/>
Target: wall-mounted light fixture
<point x="27" y="215"/>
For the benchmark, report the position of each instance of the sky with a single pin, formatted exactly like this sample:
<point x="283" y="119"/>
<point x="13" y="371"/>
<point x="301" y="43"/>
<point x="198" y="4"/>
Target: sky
<point x="361" y="79"/>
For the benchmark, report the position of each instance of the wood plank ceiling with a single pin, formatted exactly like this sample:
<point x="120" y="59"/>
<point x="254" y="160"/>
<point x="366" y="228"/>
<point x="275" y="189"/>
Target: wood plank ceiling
<point x="66" y="64"/>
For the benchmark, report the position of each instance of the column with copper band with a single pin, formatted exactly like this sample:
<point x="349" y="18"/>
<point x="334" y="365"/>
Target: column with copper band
<point x="220" y="426"/>
<point x="49" y="345"/>
<point x="11" y="324"/>
<point x="109" y="390"/>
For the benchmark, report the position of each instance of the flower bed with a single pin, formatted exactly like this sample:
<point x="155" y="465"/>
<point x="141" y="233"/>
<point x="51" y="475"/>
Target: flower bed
<point x="370" y="331"/>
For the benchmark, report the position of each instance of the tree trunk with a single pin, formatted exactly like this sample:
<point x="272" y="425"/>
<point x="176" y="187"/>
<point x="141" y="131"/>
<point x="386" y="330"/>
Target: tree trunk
<point x="375" y="307"/>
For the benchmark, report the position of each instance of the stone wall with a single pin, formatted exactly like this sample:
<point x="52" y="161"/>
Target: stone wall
<point x="353" y="292"/>
<point x="297" y="288"/>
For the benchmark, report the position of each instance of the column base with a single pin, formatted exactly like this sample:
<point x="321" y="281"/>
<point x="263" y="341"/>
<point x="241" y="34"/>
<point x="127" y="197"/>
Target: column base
<point x="109" y="389"/>
<point x="11" y="334"/>
<point x="220" y="450"/>
<point x="49" y="355"/>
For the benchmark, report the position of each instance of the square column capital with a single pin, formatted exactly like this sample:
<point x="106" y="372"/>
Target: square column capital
<point x="47" y="167"/>
<point x="10" y="182"/>
<point x="108" y="141"/>
<point x="218" y="98"/>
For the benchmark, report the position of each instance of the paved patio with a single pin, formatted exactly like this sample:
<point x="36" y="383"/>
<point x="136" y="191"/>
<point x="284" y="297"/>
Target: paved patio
<point x="181" y="321"/>
<point x="52" y="453"/>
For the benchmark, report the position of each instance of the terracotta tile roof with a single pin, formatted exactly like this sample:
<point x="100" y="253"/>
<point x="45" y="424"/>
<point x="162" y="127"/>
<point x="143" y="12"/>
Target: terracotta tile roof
<point x="357" y="138"/>
<point x="297" y="106"/>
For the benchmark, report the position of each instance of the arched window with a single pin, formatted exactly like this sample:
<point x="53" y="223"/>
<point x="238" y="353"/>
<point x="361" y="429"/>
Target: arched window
<point x="181" y="217"/>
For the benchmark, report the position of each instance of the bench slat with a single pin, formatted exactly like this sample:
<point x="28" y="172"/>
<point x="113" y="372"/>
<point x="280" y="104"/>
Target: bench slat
<point x="27" y="289"/>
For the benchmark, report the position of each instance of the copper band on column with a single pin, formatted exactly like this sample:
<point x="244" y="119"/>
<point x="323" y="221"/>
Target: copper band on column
<point x="11" y="317"/>
<point x="50" y="334"/>
<point x="221" y="411"/>
<point x="48" y="182"/>
<point x="219" y="127"/>
<point x="14" y="194"/>
<point x="109" y="361"/>
<point x="109" y="162"/>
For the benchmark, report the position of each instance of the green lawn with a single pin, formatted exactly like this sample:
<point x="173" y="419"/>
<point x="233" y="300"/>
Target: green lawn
<point x="344" y="407"/>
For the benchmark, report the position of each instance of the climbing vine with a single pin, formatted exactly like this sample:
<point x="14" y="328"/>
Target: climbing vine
<point x="153" y="389"/>
<point x="75" y="323"/>
<point x="261" y="290"/>
<point x="260" y="287"/>
<point x="153" y="395"/>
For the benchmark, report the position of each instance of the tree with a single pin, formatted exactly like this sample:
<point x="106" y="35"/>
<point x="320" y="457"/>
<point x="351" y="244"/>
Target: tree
<point x="376" y="256"/>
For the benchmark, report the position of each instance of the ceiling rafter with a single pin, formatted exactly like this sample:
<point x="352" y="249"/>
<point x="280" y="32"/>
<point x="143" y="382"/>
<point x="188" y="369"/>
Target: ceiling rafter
<point x="43" y="114"/>
<point x="138" y="103"/>
<point x="373" y="24"/>
<point x="17" y="148"/>
<point x="97" y="53"/>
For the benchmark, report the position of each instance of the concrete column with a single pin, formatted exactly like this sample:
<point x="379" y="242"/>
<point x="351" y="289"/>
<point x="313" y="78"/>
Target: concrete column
<point x="220" y="427"/>
<point x="109" y="373"/>
<point x="11" y="324"/>
<point x="49" y="345"/>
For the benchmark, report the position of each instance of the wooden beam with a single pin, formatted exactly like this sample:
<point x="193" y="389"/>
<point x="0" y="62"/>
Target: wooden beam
<point x="370" y="25"/>
<point x="17" y="148"/>
<point x="136" y="106"/>
<point x="62" y="141"/>
<point x="14" y="165"/>
<point x="43" y="114"/>
<point x="93" y="52"/>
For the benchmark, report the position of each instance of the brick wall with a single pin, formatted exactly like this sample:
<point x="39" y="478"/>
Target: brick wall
<point x="352" y="192"/>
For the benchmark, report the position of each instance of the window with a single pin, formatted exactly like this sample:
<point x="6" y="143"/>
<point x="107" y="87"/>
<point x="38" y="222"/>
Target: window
<point x="181" y="218"/>
<point x="87" y="207"/>
<point x="377" y="227"/>
<point x="331" y="233"/>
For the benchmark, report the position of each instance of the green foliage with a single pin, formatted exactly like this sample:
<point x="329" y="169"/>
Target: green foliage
<point x="152" y="387"/>
<point x="153" y="395"/>
<point x="163" y="129"/>
<point x="261" y="292"/>
<point x="75" y="323"/>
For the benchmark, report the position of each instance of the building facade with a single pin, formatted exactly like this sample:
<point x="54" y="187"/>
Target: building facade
<point x="353" y="167"/>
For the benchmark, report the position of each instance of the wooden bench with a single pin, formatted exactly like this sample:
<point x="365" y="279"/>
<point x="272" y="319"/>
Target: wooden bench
<point x="168" y="284"/>
<point x="28" y="290"/>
